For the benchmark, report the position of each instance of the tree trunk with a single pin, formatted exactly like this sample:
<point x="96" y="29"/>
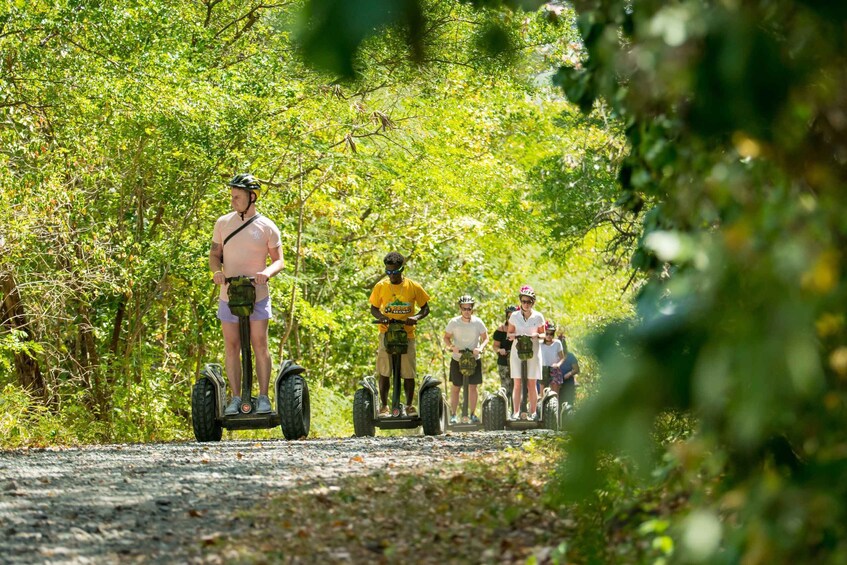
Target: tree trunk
<point x="14" y="318"/>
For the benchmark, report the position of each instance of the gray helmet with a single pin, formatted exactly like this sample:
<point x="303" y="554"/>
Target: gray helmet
<point x="245" y="181"/>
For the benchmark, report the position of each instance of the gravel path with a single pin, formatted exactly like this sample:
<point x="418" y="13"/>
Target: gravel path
<point x="157" y="503"/>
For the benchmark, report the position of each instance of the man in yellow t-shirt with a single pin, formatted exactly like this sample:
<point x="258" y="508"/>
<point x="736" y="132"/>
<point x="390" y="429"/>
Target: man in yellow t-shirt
<point x="395" y="298"/>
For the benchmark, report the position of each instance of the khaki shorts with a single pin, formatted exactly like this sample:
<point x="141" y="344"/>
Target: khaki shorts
<point x="407" y="361"/>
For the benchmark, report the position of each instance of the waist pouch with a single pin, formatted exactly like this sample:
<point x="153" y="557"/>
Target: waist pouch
<point x="467" y="363"/>
<point x="396" y="339"/>
<point x="242" y="296"/>
<point x="524" y="346"/>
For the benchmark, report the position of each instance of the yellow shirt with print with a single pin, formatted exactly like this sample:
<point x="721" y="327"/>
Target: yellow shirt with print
<point x="398" y="301"/>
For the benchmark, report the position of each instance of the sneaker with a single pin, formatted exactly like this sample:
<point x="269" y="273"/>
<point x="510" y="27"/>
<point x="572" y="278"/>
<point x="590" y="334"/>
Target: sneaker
<point x="453" y="420"/>
<point x="263" y="404"/>
<point x="533" y="416"/>
<point x="384" y="412"/>
<point x="515" y="416"/>
<point x="232" y="407"/>
<point x="411" y="411"/>
<point x="474" y="419"/>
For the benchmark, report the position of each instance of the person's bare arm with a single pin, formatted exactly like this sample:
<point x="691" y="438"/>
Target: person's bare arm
<point x="277" y="263"/>
<point x="483" y="341"/>
<point x="216" y="256"/>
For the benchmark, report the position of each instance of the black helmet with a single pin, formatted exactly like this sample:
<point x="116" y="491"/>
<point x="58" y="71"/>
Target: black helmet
<point x="511" y="308"/>
<point x="245" y="181"/>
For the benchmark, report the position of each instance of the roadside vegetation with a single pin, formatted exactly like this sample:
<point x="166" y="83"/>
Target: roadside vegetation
<point x="668" y="175"/>
<point x="496" y="509"/>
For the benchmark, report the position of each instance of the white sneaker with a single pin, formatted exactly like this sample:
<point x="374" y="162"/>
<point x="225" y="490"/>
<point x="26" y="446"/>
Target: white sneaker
<point x="232" y="407"/>
<point x="263" y="404"/>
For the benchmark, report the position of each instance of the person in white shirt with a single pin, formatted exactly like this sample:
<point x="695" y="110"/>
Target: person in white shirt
<point x="465" y="331"/>
<point x="529" y="323"/>
<point x="552" y="356"/>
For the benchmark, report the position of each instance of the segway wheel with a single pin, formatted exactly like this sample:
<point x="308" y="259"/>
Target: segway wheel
<point x="363" y="413"/>
<point x="550" y="418"/>
<point x="203" y="411"/>
<point x="432" y="411"/>
<point x="292" y="404"/>
<point x="494" y="415"/>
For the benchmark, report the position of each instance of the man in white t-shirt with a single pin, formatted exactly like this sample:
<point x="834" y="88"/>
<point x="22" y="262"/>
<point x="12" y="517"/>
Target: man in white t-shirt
<point x="246" y="254"/>
<point x="465" y="332"/>
<point x="529" y="323"/>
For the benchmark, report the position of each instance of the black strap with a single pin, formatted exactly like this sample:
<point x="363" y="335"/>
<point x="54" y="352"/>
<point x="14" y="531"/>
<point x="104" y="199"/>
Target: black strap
<point x="241" y="227"/>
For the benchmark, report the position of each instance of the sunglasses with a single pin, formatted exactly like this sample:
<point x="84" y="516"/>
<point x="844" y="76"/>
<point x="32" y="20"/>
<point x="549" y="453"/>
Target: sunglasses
<point x="526" y="301"/>
<point x="394" y="272"/>
<point x="466" y="308"/>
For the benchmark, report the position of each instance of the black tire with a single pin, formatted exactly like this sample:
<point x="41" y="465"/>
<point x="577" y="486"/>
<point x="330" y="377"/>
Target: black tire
<point x="494" y="415"/>
<point x="432" y="412"/>
<point x="292" y="404"/>
<point x="363" y="414"/>
<point x="203" y="412"/>
<point x="551" y="414"/>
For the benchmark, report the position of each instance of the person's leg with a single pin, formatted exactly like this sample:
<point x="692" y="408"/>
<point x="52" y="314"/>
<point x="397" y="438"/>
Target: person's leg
<point x="517" y="394"/>
<point x="383" y="370"/>
<point x="261" y="353"/>
<point x="409" y="387"/>
<point x="517" y="387"/>
<point x="232" y="356"/>
<point x="473" y="387"/>
<point x="569" y="391"/>
<point x="408" y="371"/>
<point x="384" y="388"/>
<point x="532" y="397"/>
<point x="506" y="383"/>
<point x="454" y="400"/>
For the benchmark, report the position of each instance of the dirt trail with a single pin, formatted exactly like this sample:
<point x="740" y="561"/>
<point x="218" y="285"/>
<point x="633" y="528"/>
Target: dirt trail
<point x="156" y="503"/>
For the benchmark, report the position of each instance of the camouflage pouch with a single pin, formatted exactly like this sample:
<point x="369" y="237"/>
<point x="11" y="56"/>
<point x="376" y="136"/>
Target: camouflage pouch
<point x="242" y="296"/>
<point x="524" y="345"/>
<point x="467" y="363"/>
<point x="396" y="339"/>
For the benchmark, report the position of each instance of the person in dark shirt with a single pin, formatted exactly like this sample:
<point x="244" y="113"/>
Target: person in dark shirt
<point x="502" y="347"/>
<point x="569" y="371"/>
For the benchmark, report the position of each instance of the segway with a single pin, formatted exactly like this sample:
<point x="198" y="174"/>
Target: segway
<point x="495" y="407"/>
<point x="432" y="405"/>
<point x="467" y="366"/>
<point x="208" y="397"/>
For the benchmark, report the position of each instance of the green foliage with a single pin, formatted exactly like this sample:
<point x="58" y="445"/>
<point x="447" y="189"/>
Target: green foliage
<point x="728" y="108"/>
<point x="26" y="422"/>
<point x="122" y="122"/>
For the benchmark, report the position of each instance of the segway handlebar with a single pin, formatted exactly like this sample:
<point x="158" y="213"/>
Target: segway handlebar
<point x="388" y="321"/>
<point x="230" y="279"/>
